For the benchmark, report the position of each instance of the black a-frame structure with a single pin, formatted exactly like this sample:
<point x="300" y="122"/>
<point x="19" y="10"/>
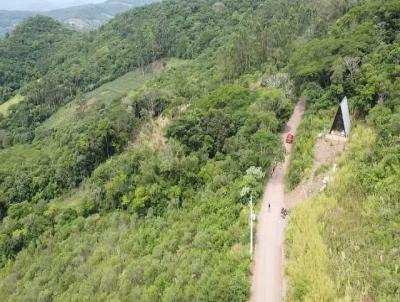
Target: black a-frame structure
<point x="341" y="123"/>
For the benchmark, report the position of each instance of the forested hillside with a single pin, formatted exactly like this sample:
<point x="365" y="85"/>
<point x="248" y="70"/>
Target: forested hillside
<point x="343" y="245"/>
<point x="28" y="53"/>
<point x="128" y="154"/>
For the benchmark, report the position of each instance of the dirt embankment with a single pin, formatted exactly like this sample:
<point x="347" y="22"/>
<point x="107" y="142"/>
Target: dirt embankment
<point x="326" y="153"/>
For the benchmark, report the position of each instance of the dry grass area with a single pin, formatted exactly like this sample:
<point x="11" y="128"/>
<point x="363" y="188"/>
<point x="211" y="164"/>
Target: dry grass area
<point x="152" y="133"/>
<point x="255" y="86"/>
<point x="326" y="154"/>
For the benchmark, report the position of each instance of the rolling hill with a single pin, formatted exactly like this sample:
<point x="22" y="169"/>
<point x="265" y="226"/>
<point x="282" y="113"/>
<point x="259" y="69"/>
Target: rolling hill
<point x="128" y="154"/>
<point x="82" y="17"/>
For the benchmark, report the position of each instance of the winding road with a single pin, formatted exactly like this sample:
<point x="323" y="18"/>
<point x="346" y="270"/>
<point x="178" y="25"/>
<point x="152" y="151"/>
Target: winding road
<point x="267" y="270"/>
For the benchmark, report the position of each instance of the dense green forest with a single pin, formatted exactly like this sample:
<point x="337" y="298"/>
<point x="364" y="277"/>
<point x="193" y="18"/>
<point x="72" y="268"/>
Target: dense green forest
<point x="127" y="161"/>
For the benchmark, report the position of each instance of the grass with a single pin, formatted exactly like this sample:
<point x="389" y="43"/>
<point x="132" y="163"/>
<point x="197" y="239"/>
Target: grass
<point x="343" y="244"/>
<point x="302" y="157"/>
<point x="308" y="260"/>
<point x="73" y="199"/>
<point x="321" y="169"/>
<point x="13" y="101"/>
<point x="29" y="155"/>
<point x="104" y="94"/>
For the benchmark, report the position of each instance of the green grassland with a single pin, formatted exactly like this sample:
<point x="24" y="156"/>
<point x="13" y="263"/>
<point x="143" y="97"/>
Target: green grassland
<point x="104" y="95"/>
<point x="70" y="114"/>
<point x="12" y="102"/>
<point x="343" y="243"/>
<point x="18" y="155"/>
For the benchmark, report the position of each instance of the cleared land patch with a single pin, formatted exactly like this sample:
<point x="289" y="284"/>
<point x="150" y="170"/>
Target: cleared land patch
<point x="13" y="101"/>
<point x="326" y="154"/>
<point x="11" y="158"/>
<point x="105" y="94"/>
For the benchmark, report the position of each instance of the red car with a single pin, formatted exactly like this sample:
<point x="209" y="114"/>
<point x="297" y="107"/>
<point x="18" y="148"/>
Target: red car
<point x="289" y="138"/>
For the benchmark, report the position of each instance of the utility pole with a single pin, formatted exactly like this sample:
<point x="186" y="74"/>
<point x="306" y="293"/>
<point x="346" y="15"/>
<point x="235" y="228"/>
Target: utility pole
<point x="251" y="226"/>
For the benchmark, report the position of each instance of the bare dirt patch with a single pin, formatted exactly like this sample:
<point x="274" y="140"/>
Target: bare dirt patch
<point x="87" y="106"/>
<point x="255" y="86"/>
<point x="326" y="153"/>
<point x="158" y="66"/>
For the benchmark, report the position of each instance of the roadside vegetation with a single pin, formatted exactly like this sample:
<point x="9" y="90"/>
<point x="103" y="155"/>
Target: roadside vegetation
<point x="343" y="244"/>
<point x="301" y="161"/>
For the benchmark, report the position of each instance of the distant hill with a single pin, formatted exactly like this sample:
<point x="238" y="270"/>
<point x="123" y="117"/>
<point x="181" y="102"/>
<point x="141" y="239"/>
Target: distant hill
<point x="42" y="5"/>
<point x="82" y="17"/>
<point x="28" y="52"/>
<point x="9" y="19"/>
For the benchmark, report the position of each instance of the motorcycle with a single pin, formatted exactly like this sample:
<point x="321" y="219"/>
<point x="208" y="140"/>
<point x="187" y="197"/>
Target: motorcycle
<point x="284" y="213"/>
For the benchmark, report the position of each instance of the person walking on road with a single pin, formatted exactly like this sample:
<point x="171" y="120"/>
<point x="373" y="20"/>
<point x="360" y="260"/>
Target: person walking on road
<point x="273" y="168"/>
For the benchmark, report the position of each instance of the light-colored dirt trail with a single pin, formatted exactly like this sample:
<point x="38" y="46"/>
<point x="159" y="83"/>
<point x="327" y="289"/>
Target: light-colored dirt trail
<point x="267" y="270"/>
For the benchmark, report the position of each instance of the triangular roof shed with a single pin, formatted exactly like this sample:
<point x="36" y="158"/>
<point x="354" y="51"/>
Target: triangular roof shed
<point x="341" y="122"/>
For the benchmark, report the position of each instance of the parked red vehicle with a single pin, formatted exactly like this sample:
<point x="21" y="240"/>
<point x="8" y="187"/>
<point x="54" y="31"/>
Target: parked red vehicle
<point x="289" y="138"/>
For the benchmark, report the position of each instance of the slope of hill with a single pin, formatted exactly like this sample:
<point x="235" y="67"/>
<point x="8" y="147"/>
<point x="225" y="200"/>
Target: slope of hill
<point x="91" y="212"/>
<point x="143" y="35"/>
<point x="343" y="245"/>
<point x="10" y="19"/>
<point x="174" y="213"/>
<point x="82" y="17"/>
<point x="28" y="53"/>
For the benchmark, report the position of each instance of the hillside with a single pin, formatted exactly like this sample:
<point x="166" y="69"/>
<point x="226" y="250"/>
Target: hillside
<point x="343" y="244"/>
<point x="79" y="17"/>
<point x="10" y="19"/>
<point x="29" y="52"/>
<point x="128" y="154"/>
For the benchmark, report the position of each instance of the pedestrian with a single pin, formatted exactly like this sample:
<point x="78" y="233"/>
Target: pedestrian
<point x="273" y="168"/>
<point x="269" y="207"/>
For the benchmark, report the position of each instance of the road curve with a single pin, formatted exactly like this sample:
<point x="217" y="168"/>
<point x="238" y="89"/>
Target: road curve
<point x="267" y="266"/>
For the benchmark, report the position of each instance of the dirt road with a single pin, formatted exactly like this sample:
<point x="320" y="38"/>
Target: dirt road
<point x="267" y="271"/>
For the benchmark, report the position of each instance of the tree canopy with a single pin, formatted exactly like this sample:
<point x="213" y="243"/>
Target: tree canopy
<point x="123" y="166"/>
